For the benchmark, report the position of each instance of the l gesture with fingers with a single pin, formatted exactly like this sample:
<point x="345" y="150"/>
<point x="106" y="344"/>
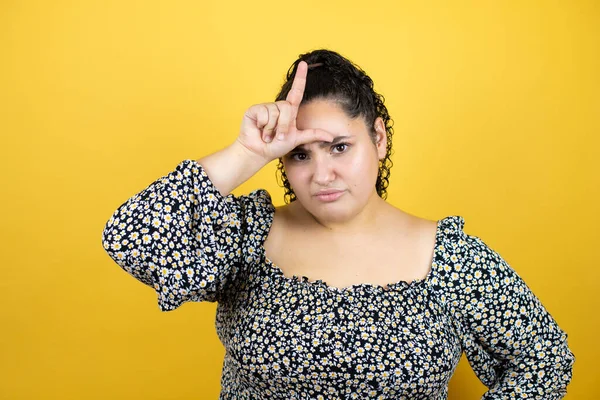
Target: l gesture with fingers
<point x="269" y="129"/>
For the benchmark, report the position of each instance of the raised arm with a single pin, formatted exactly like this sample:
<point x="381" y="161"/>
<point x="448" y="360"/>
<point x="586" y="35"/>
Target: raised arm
<point x="185" y="234"/>
<point x="182" y="237"/>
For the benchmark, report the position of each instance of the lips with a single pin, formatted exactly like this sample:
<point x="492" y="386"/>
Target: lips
<point x="329" y="195"/>
<point x="328" y="191"/>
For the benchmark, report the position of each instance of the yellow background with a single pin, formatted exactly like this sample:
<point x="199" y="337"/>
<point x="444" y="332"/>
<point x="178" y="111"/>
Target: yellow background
<point x="496" y="107"/>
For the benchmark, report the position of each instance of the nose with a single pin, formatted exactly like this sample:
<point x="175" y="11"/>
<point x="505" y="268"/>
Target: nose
<point x="323" y="171"/>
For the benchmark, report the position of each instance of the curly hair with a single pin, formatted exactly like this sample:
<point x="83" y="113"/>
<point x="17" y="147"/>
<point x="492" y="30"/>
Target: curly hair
<point x="334" y="77"/>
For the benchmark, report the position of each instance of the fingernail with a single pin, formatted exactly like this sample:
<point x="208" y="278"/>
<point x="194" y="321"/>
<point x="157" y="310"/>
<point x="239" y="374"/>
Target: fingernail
<point x="268" y="139"/>
<point x="280" y="136"/>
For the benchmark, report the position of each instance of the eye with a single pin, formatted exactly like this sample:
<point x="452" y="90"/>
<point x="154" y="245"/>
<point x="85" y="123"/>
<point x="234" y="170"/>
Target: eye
<point x="340" y="148"/>
<point x="298" y="156"/>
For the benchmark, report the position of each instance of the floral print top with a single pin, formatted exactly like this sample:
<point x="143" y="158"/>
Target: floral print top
<point x="292" y="338"/>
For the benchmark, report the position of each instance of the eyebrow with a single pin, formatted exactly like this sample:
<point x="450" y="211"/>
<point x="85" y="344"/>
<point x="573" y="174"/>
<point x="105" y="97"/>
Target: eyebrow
<point x="324" y="144"/>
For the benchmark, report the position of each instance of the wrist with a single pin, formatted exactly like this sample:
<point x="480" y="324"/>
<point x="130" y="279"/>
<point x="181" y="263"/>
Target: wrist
<point x="249" y="159"/>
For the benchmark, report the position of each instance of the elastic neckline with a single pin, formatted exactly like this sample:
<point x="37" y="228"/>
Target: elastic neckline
<point x="401" y="285"/>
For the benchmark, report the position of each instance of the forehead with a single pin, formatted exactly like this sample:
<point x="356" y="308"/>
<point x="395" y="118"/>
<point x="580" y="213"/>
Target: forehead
<point x="329" y="115"/>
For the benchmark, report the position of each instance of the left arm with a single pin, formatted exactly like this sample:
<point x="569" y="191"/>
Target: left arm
<point x="511" y="341"/>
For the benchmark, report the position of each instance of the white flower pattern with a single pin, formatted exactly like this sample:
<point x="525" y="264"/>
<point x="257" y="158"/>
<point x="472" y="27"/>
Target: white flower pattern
<point x="292" y="338"/>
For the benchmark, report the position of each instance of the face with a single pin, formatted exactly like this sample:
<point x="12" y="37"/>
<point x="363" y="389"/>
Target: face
<point x="335" y="181"/>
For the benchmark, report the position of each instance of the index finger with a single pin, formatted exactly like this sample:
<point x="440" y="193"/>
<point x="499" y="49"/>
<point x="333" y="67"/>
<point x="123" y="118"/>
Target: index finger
<point x="297" y="91"/>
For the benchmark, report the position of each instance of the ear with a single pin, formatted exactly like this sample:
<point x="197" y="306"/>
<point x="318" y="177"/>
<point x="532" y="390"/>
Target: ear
<point x="380" y="138"/>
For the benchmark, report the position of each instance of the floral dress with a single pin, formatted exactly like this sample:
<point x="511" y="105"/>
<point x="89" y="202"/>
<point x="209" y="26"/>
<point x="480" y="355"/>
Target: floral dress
<point x="293" y="338"/>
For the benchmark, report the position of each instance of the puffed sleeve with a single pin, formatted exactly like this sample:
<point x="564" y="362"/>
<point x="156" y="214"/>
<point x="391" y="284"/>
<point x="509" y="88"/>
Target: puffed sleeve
<point x="183" y="238"/>
<point x="511" y="341"/>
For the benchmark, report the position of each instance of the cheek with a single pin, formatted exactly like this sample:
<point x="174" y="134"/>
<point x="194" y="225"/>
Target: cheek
<point x="361" y="167"/>
<point x="296" y="174"/>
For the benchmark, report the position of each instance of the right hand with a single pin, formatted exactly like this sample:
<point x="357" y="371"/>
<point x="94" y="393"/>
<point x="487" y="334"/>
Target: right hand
<point x="269" y="130"/>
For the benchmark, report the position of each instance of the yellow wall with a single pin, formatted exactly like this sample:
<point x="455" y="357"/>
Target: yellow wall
<point x="497" y="119"/>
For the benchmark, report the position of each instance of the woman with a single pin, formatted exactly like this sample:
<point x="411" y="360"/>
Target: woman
<point x="337" y="294"/>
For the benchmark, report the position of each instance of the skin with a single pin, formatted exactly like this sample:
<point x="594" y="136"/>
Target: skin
<point x="349" y="164"/>
<point x="358" y="238"/>
<point x="335" y="234"/>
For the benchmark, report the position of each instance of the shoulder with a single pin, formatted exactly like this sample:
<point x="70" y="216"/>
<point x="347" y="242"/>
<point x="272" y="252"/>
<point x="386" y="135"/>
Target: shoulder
<point x="259" y="201"/>
<point x="462" y="260"/>
<point x="453" y="244"/>
<point x="255" y="213"/>
<point x="410" y="233"/>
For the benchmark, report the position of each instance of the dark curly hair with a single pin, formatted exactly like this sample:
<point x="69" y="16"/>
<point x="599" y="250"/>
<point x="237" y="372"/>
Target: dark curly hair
<point x="332" y="76"/>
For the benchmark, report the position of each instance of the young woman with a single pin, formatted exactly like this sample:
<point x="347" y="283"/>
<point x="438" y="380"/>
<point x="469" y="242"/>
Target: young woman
<point x="337" y="294"/>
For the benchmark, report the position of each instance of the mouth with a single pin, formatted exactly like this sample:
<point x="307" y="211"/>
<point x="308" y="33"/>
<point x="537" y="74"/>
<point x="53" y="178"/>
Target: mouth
<point x="329" y="195"/>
